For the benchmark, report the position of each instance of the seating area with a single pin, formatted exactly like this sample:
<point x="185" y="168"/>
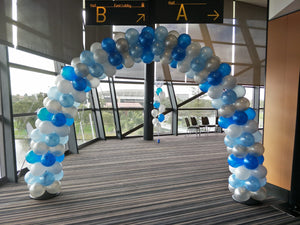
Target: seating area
<point x="193" y="127"/>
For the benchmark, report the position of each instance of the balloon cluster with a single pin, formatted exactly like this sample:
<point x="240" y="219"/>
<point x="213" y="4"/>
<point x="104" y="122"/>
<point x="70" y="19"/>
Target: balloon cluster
<point x="104" y="59"/>
<point x="158" y="107"/>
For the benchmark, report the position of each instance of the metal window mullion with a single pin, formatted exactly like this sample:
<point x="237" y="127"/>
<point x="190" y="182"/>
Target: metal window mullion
<point x="256" y="101"/>
<point x="115" y="107"/>
<point x="97" y="114"/>
<point x="8" y="125"/>
<point x="174" y="107"/>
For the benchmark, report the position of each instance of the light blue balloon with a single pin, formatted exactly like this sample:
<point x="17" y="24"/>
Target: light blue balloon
<point x="47" y="179"/>
<point x="64" y="140"/>
<point x="217" y="103"/>
<point x="158" y="48"/>
<point x="206" y="53"/>
<point x="229" y="97"/>
<point x="59" y="176"/>
<point x="161" y="33"/>
<point x="87" y="57"/>
<point x="190" y="74"/>
<point x="234" y="182"/>
<point x="197" y="64"/>
<point x="30" y="179"/>
<point x="252" y="184"/>
<point x="246" y="139"/>
<point x="96" y="70"/>
<point x="52" y="139"/>
<point x="70" y="121"/>
<point x="37" y="136"/>
<point x="229" y="142"/>
<point x="68" y="73"/>
<point x="136" y="50"/>
<point x="66" y="100"/>
<point x="257" y="136"/>
<point x="53" y="93"/>
<point x="132" y="36"/>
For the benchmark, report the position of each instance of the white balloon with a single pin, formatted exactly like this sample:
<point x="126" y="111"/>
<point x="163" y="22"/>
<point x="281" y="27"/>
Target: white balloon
<point x="229" y="82"/>
<point x="100" y="56"/>
<point x="46" y="127"/>
<point x="56" y="168"/>
<point x="37" y="169"/>
<point x="54" y="188"/>
<point x="64" y="86"/>
<point x="45" y="101"/>
<point x="62" y="131"/>
<point x="53" y="106"/>
<point x="197" y="79"/>
<point x="241" y="194"/>
<point x="75" y="61"/>
<point x="58" y="150"/>
<point x="242" y="173"/>
<point x="259" y="195"/>
<point x="230" y="188"/>
<point x="37" y="123"/>
<point x="232" y="169"/>
<point x="184" y="66"/>
<point x="155" y="121"/>
<point x="162" y="96"/>
<point x="259" y="172"/>
<point x="193" y="49"/>
<point x="70" y="112"/>
<point x="94" y="82"/>
<point x="109" y="70"/>
<point x="161" y="108"/>
<point x="156" y="98"/>
<point x="240" y="91"/>
<point x="154" y="113"/>
<point x="79" y="96"/>
<point x="58" y="78"/>
<point x="217" y="103"/>
<point x="36" y="190"/>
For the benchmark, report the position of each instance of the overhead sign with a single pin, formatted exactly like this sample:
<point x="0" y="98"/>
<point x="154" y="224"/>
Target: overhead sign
<point x="187" y="11"/>
<point x="116" y="12"/>
<point x="153" y="11"/>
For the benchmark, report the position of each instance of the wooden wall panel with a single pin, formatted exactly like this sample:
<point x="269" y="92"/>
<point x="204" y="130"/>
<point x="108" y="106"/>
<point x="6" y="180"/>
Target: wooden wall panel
<point x="283" y="61"/>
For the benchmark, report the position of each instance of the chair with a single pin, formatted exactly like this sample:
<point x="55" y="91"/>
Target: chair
<point x="205" y="122"/>
<point x="218" y="128"/>
<point x="192" y="128"/>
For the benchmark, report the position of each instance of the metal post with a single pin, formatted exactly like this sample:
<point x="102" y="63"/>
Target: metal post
<point x="148" y="101"/>
<point x="174" y="108"/>
<point x="73" y="146"/>
<point x="256" y="101"/>
<point x="8" y="125"/>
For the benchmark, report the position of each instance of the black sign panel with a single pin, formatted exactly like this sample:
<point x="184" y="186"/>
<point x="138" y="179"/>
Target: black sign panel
<point x="187" y="11"/>
<point x="116" y="12"/>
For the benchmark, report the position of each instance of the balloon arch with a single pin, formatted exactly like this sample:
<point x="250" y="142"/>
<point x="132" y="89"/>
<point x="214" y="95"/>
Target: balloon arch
<point x="71" y="86"/>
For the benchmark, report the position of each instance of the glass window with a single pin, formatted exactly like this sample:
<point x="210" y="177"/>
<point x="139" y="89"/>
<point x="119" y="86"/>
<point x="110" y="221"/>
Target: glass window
<point x="109" y="123"/>
<point x="129" y="119"/>
<point x="261" y="118"/>
<point x="104" y="95"/>
<point x="130" y="95"/>
<point x="166" y="126"/>
<point x="85" y="126"/>
<point x="184" y="92"/>
<point x="250" y="95"/>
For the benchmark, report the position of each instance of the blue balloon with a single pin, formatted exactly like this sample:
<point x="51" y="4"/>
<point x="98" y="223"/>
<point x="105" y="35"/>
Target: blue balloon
<point x="161" y="33"/>
<point x="224" y="69"/>
<point x="250" y="113"/>
<point x="252" y="184"/>
<point x="261" y="159"/>
<point x="136" y="50"/>
<point x="66" y="100"/>
<point x="246" y="139"/>
<point x="68" y="73"/>
<point x="235" y="161"/>
<point x="251" y="162"/>
<point x="119" y="67"/>
<point x="53" y="93"/>
<point x="88" y="86"/>
<point x="158" y="90"/>
<point x="147" y="56"/>
<point x="158" y="48"/>
<point x="214" y="78"/>
<point x="47" y="179"/>
<point x="44" y="115"/>
<point x="31" y="157"/>
<point x="204" y="87"/>
<point x="96" y="70"/>
<point x="173" y="64"/>
<point x="87" y="57"/>
<point x="240" y="117"/>
<point x="108" y="45"/>
<point x="206" y="53"/>
<point x="234" y="182"/>
<point x="178" y="53"/>
<point x="184" y="40"/>
<point x="115" y="58"/>
<point x="52" y="139"/>
<point x="229" y="142"/>
<point x="161" y="117"/>
<point x="69" y="121"/>
<point x="149" y="30"/>
<point x="59" y="119"/>
<point x="60" y="158"/>
<point x="48" y="159"/>
<point x="229" y="97"/>
<point x="146" y="39"/>
<point x="156" y="104"/>
<point x="132" y="36"/>
<point x="79" y="84"/>
<point x="197" y="64"/>
<point x="225" y="122"/>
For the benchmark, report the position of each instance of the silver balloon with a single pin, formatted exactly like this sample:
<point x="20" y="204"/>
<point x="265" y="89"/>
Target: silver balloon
<point x="251" y="126"/>
<point x="193" y="49"/>
<point x="215" y="92"/>
<point x="154" y="113"/>
<point x="75" y="61"/>
<point x="109" y="70"/>
<point x="94" y="82"/>
<point x="40" y="148"/>
<point x="174" y="32"/>
<point x="239" y="151"/>
<point x="122" y="45"/>
<point x="259" y="195"/>
<point x="197" y="79"/>
<point x="229" y="150"/>
<point x="259" y="172"/>
<point x="36" y="190"/>
<point x="213" y="63"/>
<point x="58" y="150"/>
<point x="241" y="194"/>
<point x="79" y="96"/>
<point x="46" y="127"/>
<point x="230" y="188"/>
<point x="155" y="121"/>
<point x="184" y="65"/>
<point x="242" y="104"/>
<point x="37" y="169"/>
<point x="256" y="149"/>
<point x="257" y="136"/>
<point x="118" y="35"/>
<point x="54" y="188"/>
<point x="64" y="86"/>
<point x="217" y="103"/>
<point x="203" y="74"/>
<point x="70" y="111"/>
<point x="55" y="168"/>
<point x="81" y="70"/>
<point x="226" y="111"/>
<point x="166" y="57"/>
<point x="171" y="41"/>
<point x="128" y="61"/>
<point x="62" y="131"/>
<point x="53" y="106"/>
<point x="159" y="84"/>
<point x="94" y="46"/>
<point x="242" y="173"/>
<point x="229" y="82"/>
<point x="100" y="56"/>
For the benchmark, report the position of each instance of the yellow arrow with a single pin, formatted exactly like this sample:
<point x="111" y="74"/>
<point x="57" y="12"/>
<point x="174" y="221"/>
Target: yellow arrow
<point x="142" y="17"/>
<point x="216" y="15"/>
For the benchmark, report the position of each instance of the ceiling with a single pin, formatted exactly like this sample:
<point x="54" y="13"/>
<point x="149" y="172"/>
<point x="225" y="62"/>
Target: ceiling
<point x="262" y="3"/>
